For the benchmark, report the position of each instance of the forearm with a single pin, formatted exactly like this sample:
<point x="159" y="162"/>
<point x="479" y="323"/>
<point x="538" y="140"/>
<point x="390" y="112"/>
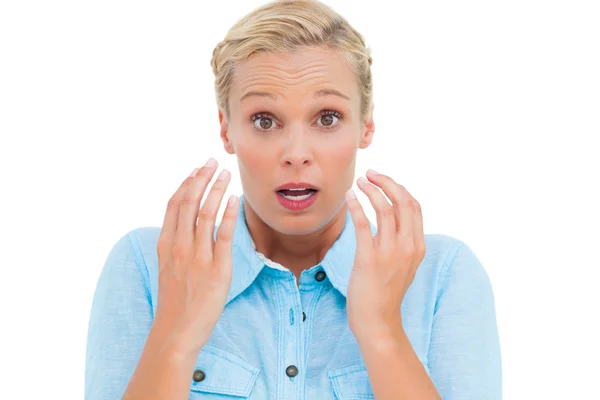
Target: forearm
<point x="395" y="372"/>
<point x="165" y="368"/>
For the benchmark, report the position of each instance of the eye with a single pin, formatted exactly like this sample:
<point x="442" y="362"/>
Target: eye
<point x="329" y="118"/>
<point x="262" y="121"/>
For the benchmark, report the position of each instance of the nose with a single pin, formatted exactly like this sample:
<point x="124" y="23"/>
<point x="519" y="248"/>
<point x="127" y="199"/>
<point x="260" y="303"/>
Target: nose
<point x="297" y="152"/>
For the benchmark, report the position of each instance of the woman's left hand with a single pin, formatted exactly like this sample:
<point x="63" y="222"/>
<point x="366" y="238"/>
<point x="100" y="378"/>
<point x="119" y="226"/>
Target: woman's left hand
<point x="385" y="264"/>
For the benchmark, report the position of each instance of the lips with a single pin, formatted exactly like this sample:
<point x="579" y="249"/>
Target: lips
<point x="297" y="200"/>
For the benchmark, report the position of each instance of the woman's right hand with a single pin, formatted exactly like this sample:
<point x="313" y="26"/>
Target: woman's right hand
<point x="194" y="271"/>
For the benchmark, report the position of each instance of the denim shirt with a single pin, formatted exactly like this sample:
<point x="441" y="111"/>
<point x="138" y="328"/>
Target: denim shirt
<point x="282" y="339"/>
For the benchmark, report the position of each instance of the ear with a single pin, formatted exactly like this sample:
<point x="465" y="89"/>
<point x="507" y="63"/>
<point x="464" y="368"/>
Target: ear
<point x="366" y="136"/>
<point x="227" y="143"/>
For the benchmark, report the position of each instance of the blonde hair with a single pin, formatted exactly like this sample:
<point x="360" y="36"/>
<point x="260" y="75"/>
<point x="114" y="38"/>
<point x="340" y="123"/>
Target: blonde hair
<point x="282" y="26"/>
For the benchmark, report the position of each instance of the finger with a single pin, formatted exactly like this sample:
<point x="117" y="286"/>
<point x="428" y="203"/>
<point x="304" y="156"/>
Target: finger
<point x="386" y="219"/>
<point x="190" y="203"/>
<point x="222" y="255"/>
<point x="169" y="225"/>
<point x="418" y="226"/>
<point x="364" y="237"/>
<point x="399" y="197"/>
<point x="207" y="215"/>
<point x="407" y="213"/>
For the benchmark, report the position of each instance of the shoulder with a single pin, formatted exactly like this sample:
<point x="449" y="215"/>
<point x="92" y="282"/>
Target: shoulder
<point x="138" y="244"/>
<point x="143" y="243"/>
<point x="440" y="251"/>
<point x="441" y="246"/>
<point x="448" y="261"/>
<point x="459" y="274"/>
<point x="449" y="253"/>
<point x="144" y="239"/>
<point x="134" y="253"/>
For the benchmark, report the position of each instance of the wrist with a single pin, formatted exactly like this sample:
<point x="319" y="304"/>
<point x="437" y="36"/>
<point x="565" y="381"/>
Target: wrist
<point x="381" y="331"/>
<point x="173" y="344"/>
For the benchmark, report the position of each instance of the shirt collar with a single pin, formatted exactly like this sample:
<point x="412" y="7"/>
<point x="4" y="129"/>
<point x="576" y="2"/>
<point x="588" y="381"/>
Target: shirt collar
<point x="337" y="262"/>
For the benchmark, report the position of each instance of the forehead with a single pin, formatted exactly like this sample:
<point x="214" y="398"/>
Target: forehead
<point x="307" y="70"/>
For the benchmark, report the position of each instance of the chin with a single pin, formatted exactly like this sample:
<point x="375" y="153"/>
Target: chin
<point x="296" y="225"/>
<point x="305" y="224"/>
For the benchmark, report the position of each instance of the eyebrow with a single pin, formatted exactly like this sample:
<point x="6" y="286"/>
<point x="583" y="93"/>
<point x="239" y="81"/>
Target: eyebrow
<point x="318" y="93"/>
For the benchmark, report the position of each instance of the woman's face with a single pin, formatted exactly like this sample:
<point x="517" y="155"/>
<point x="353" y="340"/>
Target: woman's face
<point x="295" y="118"/>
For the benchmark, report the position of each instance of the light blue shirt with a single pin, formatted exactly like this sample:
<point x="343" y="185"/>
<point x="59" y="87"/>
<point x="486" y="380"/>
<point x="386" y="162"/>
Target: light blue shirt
<point x="448" y="314"/>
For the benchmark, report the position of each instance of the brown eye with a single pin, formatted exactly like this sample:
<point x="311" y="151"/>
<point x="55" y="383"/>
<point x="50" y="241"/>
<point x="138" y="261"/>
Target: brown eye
<point x="328" y="120"/>
<point x="265" y="123"/>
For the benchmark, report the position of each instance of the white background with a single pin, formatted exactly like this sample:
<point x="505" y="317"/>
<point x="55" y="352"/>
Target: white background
<point x="488" y="112"/>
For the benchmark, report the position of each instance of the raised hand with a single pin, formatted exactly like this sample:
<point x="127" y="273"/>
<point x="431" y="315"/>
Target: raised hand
<point x="194" y="270"/>
<point x="384" y="264"/>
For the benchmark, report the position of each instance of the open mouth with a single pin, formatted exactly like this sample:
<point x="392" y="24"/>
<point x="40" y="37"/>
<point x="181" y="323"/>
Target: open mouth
<point x="297" y="194"/>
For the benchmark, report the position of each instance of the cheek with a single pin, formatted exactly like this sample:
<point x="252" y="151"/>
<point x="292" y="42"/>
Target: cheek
<point x="253" y="160"/>
<point x="248" y="155"/>
<point x="338" y="163"/>
<point x="341" y="155"/>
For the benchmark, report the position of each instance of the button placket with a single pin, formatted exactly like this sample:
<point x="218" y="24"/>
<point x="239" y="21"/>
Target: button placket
<point x="292" y="342"/>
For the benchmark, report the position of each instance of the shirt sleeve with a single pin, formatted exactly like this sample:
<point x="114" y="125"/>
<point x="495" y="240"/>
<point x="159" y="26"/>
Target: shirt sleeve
<point x="120" y="320"/>
<point x="464" y="354"/>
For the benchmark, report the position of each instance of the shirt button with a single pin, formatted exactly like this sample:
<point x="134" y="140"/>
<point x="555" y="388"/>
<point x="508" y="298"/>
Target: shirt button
<point x="291" y="371"/>
<point x="319" y="276"/>
<point x="303" y="316"/>
<point x="199" y="375"/>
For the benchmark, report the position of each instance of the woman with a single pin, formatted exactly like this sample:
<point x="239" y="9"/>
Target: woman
<point x="295" y="295"/>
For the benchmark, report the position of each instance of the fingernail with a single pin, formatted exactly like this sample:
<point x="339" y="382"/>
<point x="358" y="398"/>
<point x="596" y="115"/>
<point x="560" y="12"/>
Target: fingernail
<point x="231" y="201"/>
<point x="362" y="180"/>
<point x="194" y="172"/>
<point x="372" y="171"/>
<point x="211" y="163"/>
<point x="350" y="194"/>
<point x="222" y="175"/>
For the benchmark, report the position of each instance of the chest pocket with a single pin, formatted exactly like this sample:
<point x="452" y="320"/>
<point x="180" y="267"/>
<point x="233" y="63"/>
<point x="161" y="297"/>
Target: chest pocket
<point x="351" y="383"/>
<point x="221" y="375"/>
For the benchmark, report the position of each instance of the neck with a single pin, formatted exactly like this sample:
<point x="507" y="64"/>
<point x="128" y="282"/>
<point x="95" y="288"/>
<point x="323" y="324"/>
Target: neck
<point x="295" y="252"/>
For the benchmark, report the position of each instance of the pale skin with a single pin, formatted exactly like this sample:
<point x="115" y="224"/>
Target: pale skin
<point x="288" y="141"/>
<point x="295" y="148"/>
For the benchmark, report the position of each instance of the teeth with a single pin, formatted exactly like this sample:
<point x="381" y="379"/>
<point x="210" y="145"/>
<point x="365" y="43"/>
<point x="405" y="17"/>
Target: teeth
<point x="299" y="189"/>
<point x="298" y="198"/>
